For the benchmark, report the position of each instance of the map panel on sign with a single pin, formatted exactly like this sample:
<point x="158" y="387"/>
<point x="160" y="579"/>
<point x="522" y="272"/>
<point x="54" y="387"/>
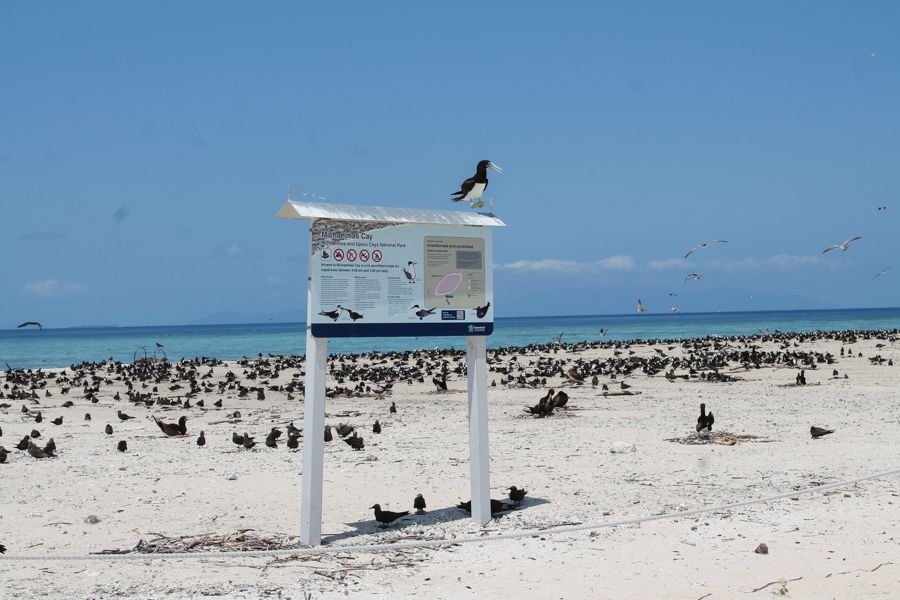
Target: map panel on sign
<point x="454" y="272"/>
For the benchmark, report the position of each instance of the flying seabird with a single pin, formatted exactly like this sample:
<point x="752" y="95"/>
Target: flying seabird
<point x="602" y="331"/>
<point x="882" y="272"/>
<point x="472" y="188"/>
<point x="640" y="307"/>
<point x="411" y="272"/>
<point x="817" y="432"/>
<point x="419" y="504"/>
<point x="334" y="315"/>
<point x="29" y="324"/>
<point x="386" y="517"/>
<point x="693" y="277"/>
<point x="674" y="309"/>
<point x="481" y="311"/>
<point x="422" y="313"/>
<point x="843" y="245"/>
<point x="704" y="245"/>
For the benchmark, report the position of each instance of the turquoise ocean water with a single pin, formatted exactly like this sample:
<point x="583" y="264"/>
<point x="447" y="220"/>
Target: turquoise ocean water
<point x="30" y="348"/>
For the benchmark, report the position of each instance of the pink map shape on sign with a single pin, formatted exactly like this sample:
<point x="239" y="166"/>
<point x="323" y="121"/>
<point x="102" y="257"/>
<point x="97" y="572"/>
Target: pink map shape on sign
<point x="448" y="284"/>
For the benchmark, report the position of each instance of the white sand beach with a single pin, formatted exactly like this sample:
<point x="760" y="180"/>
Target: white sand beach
<point x="843" y="543"/>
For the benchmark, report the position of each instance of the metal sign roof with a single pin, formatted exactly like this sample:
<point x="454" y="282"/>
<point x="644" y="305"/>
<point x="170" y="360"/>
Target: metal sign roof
<point x="347" y="212"/>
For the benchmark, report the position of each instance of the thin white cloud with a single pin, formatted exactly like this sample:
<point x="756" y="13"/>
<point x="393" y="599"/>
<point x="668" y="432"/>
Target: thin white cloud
<point x="665" y="264"/>
<point x="610" y="263"/>
<point x="51" y="288"/>
<point x="781" y="262"/>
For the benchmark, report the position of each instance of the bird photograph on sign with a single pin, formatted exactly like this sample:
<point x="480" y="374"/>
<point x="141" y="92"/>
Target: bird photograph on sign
<point x="272" y="325"/>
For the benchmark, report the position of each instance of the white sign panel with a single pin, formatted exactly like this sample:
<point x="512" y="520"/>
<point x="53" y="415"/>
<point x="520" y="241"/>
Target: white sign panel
<point x="384" y="279"/>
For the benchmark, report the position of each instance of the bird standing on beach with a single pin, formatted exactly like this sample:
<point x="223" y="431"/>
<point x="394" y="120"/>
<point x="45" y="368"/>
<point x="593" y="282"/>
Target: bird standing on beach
<point x="516" y="494"/>
<point x="172" y="429"/>
<point x="705" y="420"/>
<point x="817" y="432"/>
<point x="201" y="441"/>
<point x="472" y="188"/>
<point x="386" y="517"/>
<point x="123" y="416"/>
<point x="842" y="246"/>
<point x="419" y="504"/>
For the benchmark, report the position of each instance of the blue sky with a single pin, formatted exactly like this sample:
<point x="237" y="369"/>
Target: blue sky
<point x="145" y="147"/>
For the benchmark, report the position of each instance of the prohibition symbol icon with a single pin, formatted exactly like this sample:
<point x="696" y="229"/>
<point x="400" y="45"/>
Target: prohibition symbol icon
<point x="364" y="255"/>
<point x="339" y="255"/>
<point x="351" y="255"/>
<point x="376" y="256"/>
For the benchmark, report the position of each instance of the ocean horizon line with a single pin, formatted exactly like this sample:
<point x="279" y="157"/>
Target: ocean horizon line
<point x="496" y="319"/>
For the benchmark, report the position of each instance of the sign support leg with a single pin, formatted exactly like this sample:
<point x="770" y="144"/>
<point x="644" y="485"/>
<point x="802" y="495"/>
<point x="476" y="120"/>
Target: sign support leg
<point x="479" y="456"/>
<point x="313" y="440"/>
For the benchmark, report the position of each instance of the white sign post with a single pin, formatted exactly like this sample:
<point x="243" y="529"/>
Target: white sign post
<point x="379" y="272"/>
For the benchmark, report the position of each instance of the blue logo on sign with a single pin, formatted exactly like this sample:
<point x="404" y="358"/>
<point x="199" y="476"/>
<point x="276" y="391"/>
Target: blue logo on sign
<point x="453" y="315"/>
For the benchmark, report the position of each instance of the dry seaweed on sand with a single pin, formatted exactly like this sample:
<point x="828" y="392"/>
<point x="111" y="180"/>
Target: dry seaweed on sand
<point x="723" y="438"/>
<point x="238" y="541"/>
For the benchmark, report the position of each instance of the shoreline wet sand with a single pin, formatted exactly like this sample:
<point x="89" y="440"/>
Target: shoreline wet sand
<point x="633" y="451"/>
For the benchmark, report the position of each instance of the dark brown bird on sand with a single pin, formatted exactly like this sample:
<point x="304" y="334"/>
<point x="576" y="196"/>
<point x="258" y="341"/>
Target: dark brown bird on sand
<point x="328" y="436"/>
<point x="419" y="504"/>
<point x="817" y="432"/>
<point x="248" y="442"/>
<point x="37" y="451"/>
<point x="517" y="495"/>
<point x="3" y="454"/>
<point x="57" y="421"/>
<point x="376" y="428"/>
<point x="123" y="416"/>
<point x="171" y="429"/>
<point x="108" y="429"/>
<point x="201" y="441"/>
<point x="393" y="407"/>
<point x="497" y="506"/>
<point x="23" y="444"/>
<point x="344" y="430"/>
<point x="50" y="447"/>
<point x="355" y="442"/>
<point x="2" y="549"/>
<point x="293" y="442"/>
<point x="386" y="517"/>
<point x="122" y="446"/>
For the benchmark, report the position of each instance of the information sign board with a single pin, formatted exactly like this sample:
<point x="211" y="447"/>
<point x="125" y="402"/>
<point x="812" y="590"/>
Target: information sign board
<point x="374" y="278"/>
